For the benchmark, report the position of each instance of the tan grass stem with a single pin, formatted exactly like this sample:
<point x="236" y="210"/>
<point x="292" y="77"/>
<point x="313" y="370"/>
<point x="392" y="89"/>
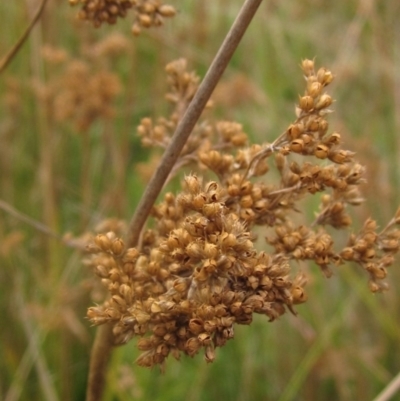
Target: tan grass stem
<point x="390" y="390"/>
<point x="190" y="118"/>
<point x="12" y="53"/>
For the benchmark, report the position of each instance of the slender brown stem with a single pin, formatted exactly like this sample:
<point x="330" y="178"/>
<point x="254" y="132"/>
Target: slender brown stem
<point x="102" y="346"/>
<point x="190" y="118"/>
<point x="99" y="357"/>
<point x="37" y="225"/>
<point x="11" y="54"/>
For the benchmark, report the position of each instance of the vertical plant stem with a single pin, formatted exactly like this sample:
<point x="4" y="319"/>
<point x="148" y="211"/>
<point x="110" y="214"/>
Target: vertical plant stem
<point x="102" y="346"/>
<point x="100" y="355"/>
<point x="190" y="118"/>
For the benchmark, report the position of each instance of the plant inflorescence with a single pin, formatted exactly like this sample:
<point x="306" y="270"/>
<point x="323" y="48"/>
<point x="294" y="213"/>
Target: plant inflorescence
<point x="200" y="268"/>
<point x="147" y="13"/>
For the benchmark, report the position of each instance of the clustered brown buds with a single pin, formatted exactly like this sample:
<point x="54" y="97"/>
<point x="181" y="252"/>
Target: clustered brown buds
<point x="191" y="282"/>
<point x="148" y="13"/>
<point x="82" y="90"/>
<point x="197" y="272"/>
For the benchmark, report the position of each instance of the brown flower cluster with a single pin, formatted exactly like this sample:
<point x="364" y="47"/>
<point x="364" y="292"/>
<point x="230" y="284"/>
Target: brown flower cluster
<point x="197" y="271"/>
<point x="148" y="13"/>
<point x="193" y="280"/>
<point x="82" y="90"/>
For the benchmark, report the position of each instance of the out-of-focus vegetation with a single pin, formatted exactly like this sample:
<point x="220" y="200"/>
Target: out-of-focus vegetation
<point x="71" y="168"/>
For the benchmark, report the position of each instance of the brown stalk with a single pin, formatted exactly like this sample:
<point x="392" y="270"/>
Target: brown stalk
<point x="190" y="118"/>
<point x="11" y="54"/>
<point x="102" y="347"/>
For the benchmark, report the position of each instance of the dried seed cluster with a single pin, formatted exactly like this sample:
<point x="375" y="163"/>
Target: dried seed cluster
<point x="148" y="13"/>
<point x="82" y="90"/>
<point x="197" y="272"/>
<point x="192" y="283"/>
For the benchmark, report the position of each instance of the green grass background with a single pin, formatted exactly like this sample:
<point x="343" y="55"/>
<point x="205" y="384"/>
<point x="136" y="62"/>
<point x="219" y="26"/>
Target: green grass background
<point x="344" y="343"/>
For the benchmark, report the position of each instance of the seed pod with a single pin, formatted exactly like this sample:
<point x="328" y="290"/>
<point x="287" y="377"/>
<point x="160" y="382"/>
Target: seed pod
<point x="321" y="151"/>
<point x="211" y="210"/>
<point x="324" y="76"/>
<point x="103" y="242"/>
<point x="314" y="89"/>
<point x="209" y="354"/>
<point x="306" y="103"/>
<point x="324" y="101"/>
<point x="193" y="184"/>
<point x="130" y="255"/>
<point x="297" y="146"/>
<point x="192" y="346"/>
<point x="295" y="130"/>
<point x="199" y="201"/>
<point x="298" y="295"/>
<point x="204" y="338"/>
<point x="180" y="285"/>
<point x="307" y="67"/>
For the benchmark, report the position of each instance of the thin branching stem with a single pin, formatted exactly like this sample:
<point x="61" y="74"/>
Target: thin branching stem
<point x="190" y="118"/>
<point x="37" y="225"/>
<point x="12" y="53"/>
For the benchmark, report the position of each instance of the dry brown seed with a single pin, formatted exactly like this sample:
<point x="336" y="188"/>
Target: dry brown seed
<point x="220" y="310"/>
<point x="211" y="252"/>
<point x="323" y="127"/>
<point x="297" y="146"/>
<point x="324" y="76"/>
<point x="295" y="130"/>
<point x="228" y="333"/>
<point x="333" y="139"/>
<point x="130" y="255"/>
<point x="373" y="286"/>
<point x="170" y="339"/>
<point x="246" y="188"/>
<point x="253" y="282"/>
<point x="347" y="253"/>
<point x="166" y="10"/>
<point x="324" y="101"/>
<point x="211" y="210"/>
<point x="307" y="67"/>
<point x="145" y="20"/>
<point x="246" y="201"/>
<point x="103" y="242"/>
<point x="306" y="103"/>
<point x="196" y="326"/>
<point x="314" y="89"/>
<point x="162" y="349"/>
<point x="321" y="151"/>
<point x="126" y="291"/>
<point x="209" y="354"/>
<point x="101" y="271"/>
<point x="298" y="295"/>
<point x="210" y="326"/>
<point x="192" y="346"/>
<point x="340" y="156"/>
<point x="195" y="250"/>
<point x="204" y="338"/>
